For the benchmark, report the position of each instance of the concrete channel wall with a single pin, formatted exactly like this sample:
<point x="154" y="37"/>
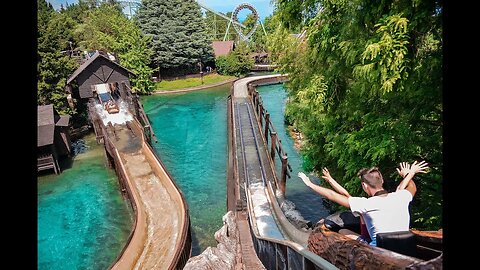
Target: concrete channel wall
<point x="173" y="248"/>
<point x="133" y="249"/>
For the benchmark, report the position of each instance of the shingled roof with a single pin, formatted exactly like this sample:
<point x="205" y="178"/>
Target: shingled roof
<point x="222" y="47"/>
<point x="48" y="118"/>
<point x="46" y="125"/>
<point x="88" y="62"/>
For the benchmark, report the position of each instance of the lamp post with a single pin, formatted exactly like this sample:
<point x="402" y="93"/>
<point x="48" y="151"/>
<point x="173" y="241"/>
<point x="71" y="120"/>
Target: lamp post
<point x="201" y="72"/>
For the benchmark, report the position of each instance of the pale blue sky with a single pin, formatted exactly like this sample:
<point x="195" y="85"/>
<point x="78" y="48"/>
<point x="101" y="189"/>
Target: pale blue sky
<point x="263" y="7"/>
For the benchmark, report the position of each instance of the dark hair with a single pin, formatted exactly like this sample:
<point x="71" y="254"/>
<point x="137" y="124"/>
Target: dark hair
<point x="371" y="176"/>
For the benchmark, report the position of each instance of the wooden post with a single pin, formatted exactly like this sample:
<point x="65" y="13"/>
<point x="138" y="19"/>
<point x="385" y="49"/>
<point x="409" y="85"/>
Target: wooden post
<point x="123" y="93"/>
<point x="267" y="121"/>
<point x="146" y="131"/>
<point x="260" y="111"/>
<point x="274" y="141"/>
<point x="283" y="180"/>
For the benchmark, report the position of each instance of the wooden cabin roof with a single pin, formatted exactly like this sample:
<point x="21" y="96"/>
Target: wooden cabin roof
<point x="62" y="120"/>
<point x="48" y="118"/>
<point x="222" y="47"/>
<point x="45" y="126"/>
<point x="90" y="61"/>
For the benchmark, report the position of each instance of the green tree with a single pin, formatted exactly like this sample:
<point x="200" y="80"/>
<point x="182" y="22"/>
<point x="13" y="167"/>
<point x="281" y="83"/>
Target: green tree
<point x="366" y="89"/>
<point x="53" y="66"/>
<point x="259" y="39"/>
<point x="179" y="37"/>
<point x="107" y="28"/>
<point x="77" y="11"/>
<point x="236" y="63"/>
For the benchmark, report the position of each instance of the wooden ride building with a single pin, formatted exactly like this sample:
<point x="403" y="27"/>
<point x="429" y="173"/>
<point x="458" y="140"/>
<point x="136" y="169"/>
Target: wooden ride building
<point x="101" y="80"/>
<point x="97" y="71"/>
<point x="53" y="138"/>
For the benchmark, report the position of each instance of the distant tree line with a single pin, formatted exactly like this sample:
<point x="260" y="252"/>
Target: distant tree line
<point x="165" y="36"/>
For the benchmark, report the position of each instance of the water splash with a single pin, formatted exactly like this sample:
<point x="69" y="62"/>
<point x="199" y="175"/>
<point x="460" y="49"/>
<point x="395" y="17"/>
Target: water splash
<point x="116" y="118"/>
<point x="292" y="214"/>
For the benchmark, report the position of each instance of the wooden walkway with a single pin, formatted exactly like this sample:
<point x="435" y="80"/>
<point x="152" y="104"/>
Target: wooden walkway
<point x="249" y="256"/>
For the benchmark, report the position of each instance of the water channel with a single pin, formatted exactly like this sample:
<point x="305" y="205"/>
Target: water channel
<point x="192" y="142"/>
<point x="83" y="220"/>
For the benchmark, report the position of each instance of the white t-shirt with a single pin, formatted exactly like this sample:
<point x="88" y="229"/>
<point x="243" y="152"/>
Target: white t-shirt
<point x="383" y="213"/>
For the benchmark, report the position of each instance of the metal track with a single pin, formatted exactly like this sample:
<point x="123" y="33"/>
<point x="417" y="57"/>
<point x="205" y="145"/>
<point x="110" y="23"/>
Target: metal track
<point x="249" y="132"/>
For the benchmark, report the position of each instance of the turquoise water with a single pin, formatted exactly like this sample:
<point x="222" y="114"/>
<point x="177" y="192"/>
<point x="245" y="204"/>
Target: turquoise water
<point x="83" y="221"/>
<point x="192" y="142"/>
<point x="307" y="202"/>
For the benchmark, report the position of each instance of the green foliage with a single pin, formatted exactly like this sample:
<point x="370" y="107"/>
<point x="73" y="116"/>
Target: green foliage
<point x="77" y="11"/>
<point x="179" y="37"/>
<point x="387" y="57"/>
<point x="53" y="67"/>
<point x="293" y="14"/>
<point x="106" y="28"/>
<point x="366" y="90"/>
<point x="258" y="41"/>
<point x="236" y="63"/>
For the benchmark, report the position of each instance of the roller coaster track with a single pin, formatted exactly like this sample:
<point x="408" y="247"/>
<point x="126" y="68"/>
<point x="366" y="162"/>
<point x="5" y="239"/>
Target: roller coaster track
<point x="221" y="15"/>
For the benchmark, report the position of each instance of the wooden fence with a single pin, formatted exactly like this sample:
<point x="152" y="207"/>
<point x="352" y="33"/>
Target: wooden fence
<point x="270" y="136"/>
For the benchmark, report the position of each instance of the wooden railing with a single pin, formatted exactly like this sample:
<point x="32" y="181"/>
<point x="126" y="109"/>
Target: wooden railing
<point x="136" y="108"/>
<point x="46" y="162"/>
<point x="270" y="136"/>
<point x="273" y="253"/>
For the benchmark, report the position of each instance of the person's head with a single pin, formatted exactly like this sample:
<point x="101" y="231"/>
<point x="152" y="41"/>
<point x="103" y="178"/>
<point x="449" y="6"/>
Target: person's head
<point x="371" y="180"/>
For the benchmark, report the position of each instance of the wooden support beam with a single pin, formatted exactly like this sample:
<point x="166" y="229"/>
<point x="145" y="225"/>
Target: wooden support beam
<point x="273" y="148"/>
<point x="283" y="179"/>
<point x="267" y="122"/>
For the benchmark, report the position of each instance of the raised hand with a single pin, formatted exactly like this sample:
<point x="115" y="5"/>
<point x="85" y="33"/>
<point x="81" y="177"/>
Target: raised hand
<point x="326" y="175"/>
<point x="420" y="167"/>
<point x="304" y="178"/>
<point x="404" y="169"/>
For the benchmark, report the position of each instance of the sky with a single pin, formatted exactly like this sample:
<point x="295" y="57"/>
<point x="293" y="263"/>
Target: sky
<point x="263" y="7"/>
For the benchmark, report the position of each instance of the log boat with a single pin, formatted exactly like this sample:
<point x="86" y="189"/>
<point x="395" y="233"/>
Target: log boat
<point x="106" y="99"/>
<point x="413" y="249"/>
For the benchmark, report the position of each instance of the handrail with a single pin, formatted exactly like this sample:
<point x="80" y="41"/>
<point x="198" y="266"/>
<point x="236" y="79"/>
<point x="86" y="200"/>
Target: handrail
<point x="267" y="129"/>
<point x="139" y="112"/>
<point x="310" y="260"/>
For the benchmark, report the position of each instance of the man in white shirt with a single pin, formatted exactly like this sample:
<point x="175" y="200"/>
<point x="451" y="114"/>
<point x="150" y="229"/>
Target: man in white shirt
<point x="382" y="212"/>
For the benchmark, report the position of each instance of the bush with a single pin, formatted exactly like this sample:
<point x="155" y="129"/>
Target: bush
<point x="236" y="63"/>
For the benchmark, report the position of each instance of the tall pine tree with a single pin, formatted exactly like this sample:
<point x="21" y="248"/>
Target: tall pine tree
<point x="179" y="37"/>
